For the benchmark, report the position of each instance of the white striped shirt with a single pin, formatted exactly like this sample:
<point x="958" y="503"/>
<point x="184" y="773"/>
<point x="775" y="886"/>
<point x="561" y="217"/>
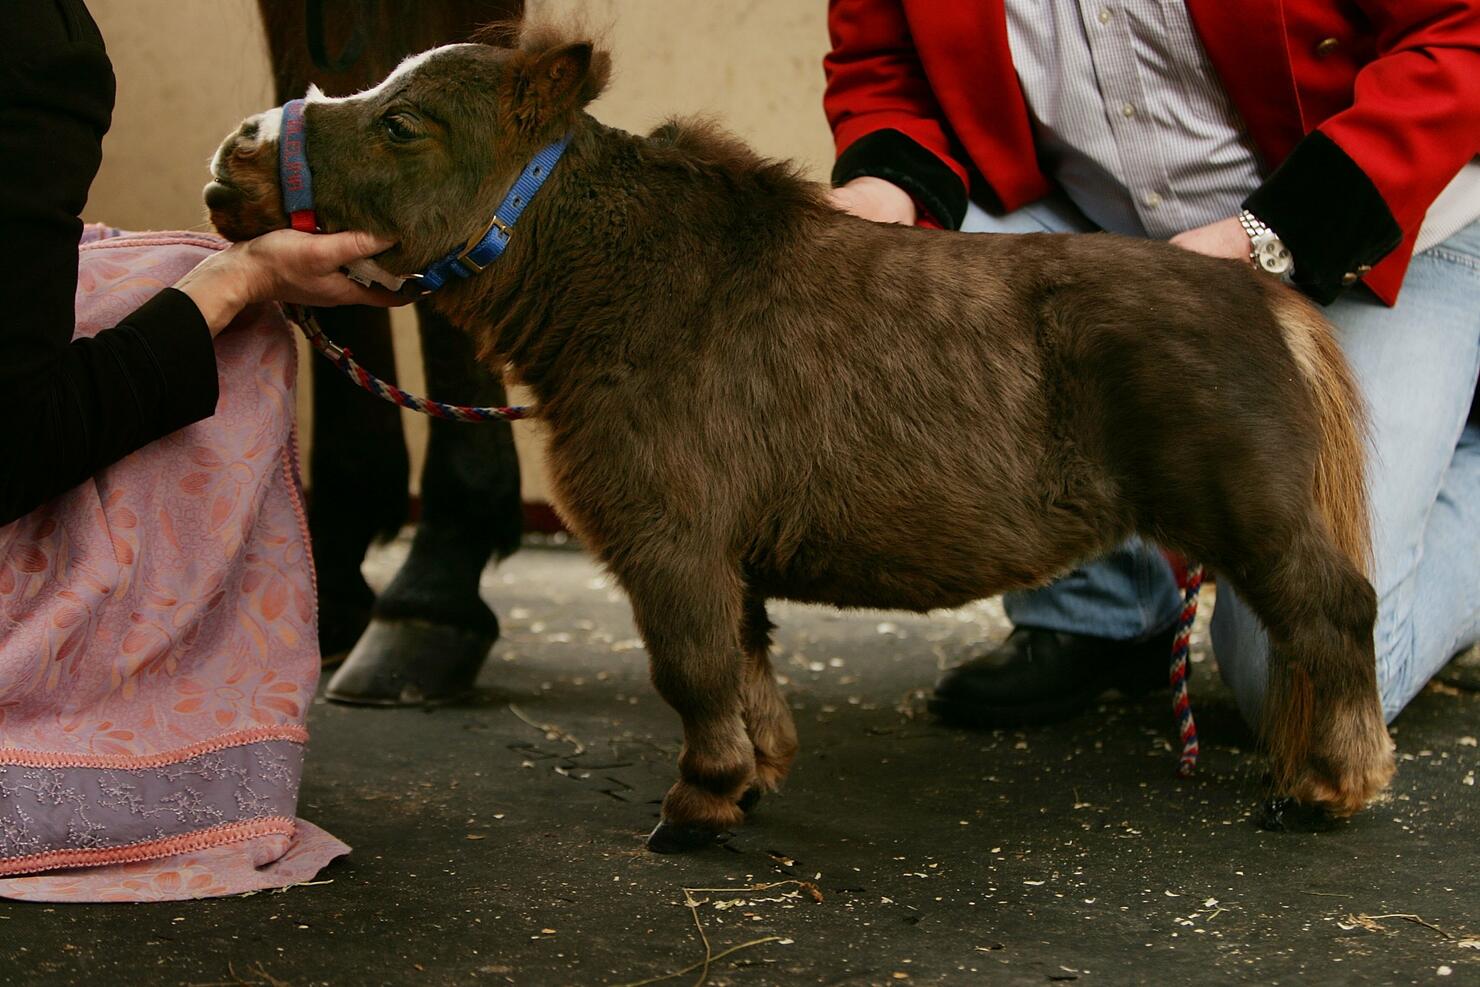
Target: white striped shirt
<point x="1131" y="121"/>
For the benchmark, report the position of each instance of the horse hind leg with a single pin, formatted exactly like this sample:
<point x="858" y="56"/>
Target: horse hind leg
<point x="1322" y="726"/>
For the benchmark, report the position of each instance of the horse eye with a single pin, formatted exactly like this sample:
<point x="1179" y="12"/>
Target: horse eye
<point x="400" y="128"/>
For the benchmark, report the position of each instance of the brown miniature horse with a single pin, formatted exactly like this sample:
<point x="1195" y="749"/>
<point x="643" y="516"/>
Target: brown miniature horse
<point x="750" y="395"/>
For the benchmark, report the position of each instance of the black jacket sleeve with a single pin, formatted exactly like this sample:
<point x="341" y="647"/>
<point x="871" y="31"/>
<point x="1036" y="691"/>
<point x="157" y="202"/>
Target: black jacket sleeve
<point x="890" y="155"/>
<point x="73" y="407"/>
<point x="1330" y="215"/>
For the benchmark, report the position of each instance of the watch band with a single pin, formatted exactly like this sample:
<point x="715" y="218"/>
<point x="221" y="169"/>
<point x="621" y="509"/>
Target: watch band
<point x="1253" y="225"/>
<point x="1266" y="251"/>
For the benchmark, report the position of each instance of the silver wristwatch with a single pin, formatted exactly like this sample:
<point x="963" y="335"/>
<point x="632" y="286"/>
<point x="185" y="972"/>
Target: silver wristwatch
<point x="1267" y="251"/>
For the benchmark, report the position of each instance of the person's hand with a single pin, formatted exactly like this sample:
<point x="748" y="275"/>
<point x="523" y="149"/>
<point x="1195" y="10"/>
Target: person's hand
<point x="1225" y="238"/>
<point x="876" y="200"/>
<point x="284" y="266"/>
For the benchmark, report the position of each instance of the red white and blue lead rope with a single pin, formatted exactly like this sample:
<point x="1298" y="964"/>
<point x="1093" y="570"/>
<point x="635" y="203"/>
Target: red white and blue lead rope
<point x="1181" y="648"/>
<point x="386" y="391"/>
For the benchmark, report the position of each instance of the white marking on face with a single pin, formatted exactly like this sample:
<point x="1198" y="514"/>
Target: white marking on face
<point x="268" y="126"/>
<point x="408" y="65"/>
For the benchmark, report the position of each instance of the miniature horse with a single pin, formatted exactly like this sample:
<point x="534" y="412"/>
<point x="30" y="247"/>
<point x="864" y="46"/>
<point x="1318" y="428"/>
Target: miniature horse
<point x="750" y="395"/>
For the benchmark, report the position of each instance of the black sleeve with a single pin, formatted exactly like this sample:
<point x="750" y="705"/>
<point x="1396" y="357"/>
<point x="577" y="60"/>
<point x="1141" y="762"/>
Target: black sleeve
<point x="1328" y="212"/>
<point x="890" y="155"/>
<point x="73" y="407"/>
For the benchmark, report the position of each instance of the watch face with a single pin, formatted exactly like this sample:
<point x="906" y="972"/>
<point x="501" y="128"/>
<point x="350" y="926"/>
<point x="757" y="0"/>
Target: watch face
<point x="1270" y="254"/>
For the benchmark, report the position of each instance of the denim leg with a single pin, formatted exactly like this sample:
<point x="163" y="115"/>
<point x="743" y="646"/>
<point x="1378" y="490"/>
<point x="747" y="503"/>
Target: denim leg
<point x="1417" y="365"/>
<point x="1129" y="593"/>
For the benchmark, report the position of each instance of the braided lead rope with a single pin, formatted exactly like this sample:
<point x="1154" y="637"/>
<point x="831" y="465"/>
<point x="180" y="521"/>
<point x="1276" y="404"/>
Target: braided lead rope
<point x="351" y="368"/>
<point x="1181" y="647"/>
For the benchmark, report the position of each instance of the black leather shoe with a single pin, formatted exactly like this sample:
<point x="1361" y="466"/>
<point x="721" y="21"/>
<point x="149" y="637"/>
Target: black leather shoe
<point x="1041" y="676"/>
<point x="1463" y="670"/>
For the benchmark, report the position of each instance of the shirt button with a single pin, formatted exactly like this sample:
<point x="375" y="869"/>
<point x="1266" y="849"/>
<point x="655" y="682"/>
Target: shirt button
<point x="1151" y="199"/>
<point x="1327" y="46"/>
<point x="1105" y="15"/>
<point x="1127" y="110"/>
<point x="1349" y="278"/>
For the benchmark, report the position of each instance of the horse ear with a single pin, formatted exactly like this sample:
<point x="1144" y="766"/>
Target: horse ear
<point x="560" y="80"/>
<point x="557" y="75"/>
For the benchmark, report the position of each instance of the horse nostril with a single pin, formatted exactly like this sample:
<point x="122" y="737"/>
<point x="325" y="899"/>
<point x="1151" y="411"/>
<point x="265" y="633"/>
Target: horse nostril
<point x="249" y="129"/>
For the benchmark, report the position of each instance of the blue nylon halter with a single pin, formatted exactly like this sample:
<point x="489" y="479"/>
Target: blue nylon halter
<point x="489" y="247"/>
<point x="462" y="262"/>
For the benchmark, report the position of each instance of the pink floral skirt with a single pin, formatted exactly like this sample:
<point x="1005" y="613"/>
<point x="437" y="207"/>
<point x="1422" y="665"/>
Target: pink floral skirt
<point x="158" y="647"/>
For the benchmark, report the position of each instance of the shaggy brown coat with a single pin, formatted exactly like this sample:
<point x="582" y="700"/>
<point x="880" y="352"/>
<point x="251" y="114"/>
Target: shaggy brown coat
<point x="750" y="395"/>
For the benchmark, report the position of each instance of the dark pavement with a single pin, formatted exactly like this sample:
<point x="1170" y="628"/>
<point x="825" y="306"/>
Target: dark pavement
<point x="500" y="841"/>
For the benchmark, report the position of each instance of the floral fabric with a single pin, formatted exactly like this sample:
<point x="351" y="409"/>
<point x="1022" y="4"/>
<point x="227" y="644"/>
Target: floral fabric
<point x="157" y="636"/>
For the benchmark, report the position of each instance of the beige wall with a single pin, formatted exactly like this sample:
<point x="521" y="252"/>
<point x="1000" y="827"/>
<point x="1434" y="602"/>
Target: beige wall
<point x="189" y="71"/>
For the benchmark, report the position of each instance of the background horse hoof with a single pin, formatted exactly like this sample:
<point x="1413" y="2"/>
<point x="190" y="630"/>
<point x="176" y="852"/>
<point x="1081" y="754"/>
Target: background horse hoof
<point x="409" y="663"/>
<point x="668" y="837"/>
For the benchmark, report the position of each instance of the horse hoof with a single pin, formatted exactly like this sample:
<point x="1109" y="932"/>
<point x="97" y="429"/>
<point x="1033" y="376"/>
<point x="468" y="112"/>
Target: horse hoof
<point x="1284" y="814"/>
<point x="668" y="837"/>
<point x="409" y="663"/>
<point x="750" y="799"/>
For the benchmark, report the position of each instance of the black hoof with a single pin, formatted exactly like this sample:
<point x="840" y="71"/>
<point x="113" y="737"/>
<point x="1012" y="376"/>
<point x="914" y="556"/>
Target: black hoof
<point x="667" y="837"/>
<point x="750" y="799"/>
<point x="1288" y="815"/>
<point x="409" y="663"/>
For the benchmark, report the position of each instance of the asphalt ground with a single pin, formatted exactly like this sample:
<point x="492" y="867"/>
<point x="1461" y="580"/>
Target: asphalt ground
<point x="500" y="840"/>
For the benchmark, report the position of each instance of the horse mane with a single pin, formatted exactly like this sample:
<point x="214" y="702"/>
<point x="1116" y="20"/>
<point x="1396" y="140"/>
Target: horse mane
<point x="702" y="146"/>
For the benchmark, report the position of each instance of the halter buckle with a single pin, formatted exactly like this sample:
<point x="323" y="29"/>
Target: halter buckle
<point x="466" y="259"/>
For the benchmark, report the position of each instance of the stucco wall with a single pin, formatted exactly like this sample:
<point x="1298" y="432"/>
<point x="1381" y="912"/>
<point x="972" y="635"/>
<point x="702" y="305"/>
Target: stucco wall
<point x="190" y="70"/>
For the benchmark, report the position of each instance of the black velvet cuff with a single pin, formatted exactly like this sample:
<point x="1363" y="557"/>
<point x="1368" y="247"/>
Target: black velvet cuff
<point x="1329" y="214"/>
<point x="890" y="155"/>
<point x="182" y="388"/>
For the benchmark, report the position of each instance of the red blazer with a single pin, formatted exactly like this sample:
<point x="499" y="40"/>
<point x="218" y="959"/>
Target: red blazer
<point x="1362" y="112"/>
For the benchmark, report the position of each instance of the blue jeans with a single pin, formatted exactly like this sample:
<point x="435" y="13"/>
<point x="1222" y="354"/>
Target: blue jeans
<point x="1417" y="364"/>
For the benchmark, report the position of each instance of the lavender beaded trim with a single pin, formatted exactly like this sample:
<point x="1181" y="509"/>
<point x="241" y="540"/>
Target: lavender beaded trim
<point x="45" y="809"/>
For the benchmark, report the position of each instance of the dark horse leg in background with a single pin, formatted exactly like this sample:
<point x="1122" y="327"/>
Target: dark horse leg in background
<point x="358" y="471"/>
<point x="429" y="632"/>
<point x="430" y="629"/>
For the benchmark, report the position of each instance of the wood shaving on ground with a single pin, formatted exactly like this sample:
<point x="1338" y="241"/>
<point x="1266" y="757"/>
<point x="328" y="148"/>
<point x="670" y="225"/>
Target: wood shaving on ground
<point x="1372" y="923"/>
<point x="741" y="898"/>
<point x="552" y="732"/>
